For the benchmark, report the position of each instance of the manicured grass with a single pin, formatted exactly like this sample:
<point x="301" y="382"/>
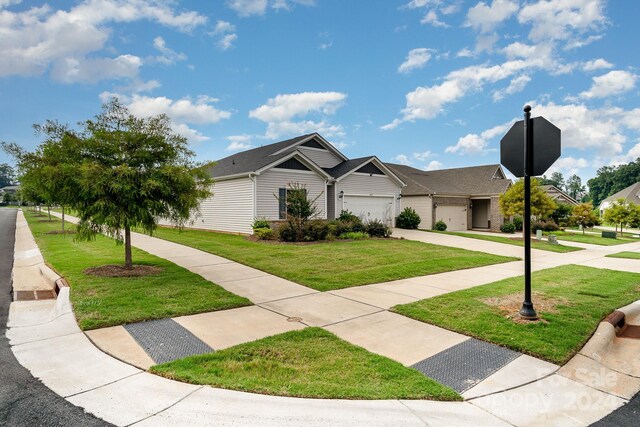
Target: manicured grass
<point x="307" y="363"/>
<point x="628" y="255"/>
<point x="592" y="239"/>
<point x="335" y="265"/>
<point x="535" y="244"/>
<point x="572" y="301"/>
<point x="107" y="301"/>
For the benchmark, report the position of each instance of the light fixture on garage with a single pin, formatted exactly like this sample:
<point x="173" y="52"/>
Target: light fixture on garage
<point x="435" y="205"/>
<point x="471" y="205"/>
<point x="399" y="197"/>
<point x="341" y="195"/>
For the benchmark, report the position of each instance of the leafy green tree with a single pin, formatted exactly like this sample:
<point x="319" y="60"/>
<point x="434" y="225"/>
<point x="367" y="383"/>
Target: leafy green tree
<point x="562" y="213"/>
<point x="7" y="175"/>
<point x="133" y="172"/>
<point x="512" y="201"/>
<point x="575" y="187"/>
<point x="611" y="179"/>
<point x="620" y="212"/>
<point x="583" y="215"/>
<point x="556" y="179"/>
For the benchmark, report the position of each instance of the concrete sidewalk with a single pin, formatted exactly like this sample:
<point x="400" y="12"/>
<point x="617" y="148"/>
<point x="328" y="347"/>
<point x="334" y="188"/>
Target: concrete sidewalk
<point x="356" y="314"/>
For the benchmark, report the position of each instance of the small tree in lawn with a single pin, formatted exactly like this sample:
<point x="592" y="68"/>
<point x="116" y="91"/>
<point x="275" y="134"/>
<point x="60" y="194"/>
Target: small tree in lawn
<point x="512" y="201"/>
<point x="620" y="212"/>
<point x="134" y="171"/>
<point x="583" y="215"/>
<point x="299" y="208"/>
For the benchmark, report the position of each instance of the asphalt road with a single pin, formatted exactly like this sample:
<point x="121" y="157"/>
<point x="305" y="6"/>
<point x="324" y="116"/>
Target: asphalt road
<point x="24" y="400"/>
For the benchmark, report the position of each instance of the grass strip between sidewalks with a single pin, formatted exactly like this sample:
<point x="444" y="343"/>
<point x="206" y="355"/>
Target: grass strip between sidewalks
<point x="307" y="363"/>
<point x="334" y="265"/>
<point x="107" y="301"/>
<point x="571" y="300"/>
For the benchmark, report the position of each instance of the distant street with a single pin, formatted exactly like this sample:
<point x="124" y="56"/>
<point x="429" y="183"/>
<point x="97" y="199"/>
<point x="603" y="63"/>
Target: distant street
<point x="24" y="400"/>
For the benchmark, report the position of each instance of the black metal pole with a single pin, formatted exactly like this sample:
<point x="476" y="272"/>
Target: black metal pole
<point x="527" y="311"/>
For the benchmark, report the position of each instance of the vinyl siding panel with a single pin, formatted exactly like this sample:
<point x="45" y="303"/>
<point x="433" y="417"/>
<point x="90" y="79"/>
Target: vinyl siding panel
<point x="423" y="206"/>
<point x="365" y="185"/>
<point x="268" y="183"/>
<point x="331" y="202"/>
<point x="230" y="208"/>
<point x="323" y="158"/>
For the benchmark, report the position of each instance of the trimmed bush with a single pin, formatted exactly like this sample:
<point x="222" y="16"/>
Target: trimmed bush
<point x="517" y="222"/>
<point x="408" y="218"/>
<point x="315" y="230"/>
<point x="348" y="216"/>
<point x="354" y="235"/>
<point x="377" y="228"/>
<point x="288" y="232"/>
<point x="440" y="226"/>
<point x="263" y="233"/>
<point x="261" y="223"/>
<point x="508" y="227"/>
<point x="544" y="226"/>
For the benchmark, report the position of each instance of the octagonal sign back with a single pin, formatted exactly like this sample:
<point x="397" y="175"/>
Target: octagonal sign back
<point x="545" y="146"/>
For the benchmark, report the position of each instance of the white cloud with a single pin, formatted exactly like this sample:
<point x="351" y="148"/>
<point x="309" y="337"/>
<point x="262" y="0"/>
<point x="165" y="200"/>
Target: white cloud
<point x="433" y="165"/>
<point x="290" y="128"/>
<point x="248" y="7"/>
<point x="485" y="18"/>
<point x="84" y="70"/>
<point x="517" y="85"/>
<point x="613" y="83"/>
<point x="560" y="20"/>
<point x="478" y="144"/>
<point x="5" y="3"/>
<point x="40" y="38"/>
<point x="226" y="34"/>
<point x="287" y="106"/>
<point x="416" y="58"/>
<point x="596" y="64"/>
<point x="422" y="156"/>
<point x="239" y="143"/>
<point x="168" y="56"/>
<point x="568" y="166"/>
<point x="402" y="159"/>
<point x="465" y="53"/>
<point x="431" y="17"/>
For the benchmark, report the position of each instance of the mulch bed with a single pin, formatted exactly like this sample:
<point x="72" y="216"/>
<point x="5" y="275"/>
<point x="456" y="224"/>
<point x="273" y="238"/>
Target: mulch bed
<point x="121" y="271"/>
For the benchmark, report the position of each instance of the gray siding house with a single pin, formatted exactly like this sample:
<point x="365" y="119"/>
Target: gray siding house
<point x="250" y="184"/>
<point x="464" y="198"/>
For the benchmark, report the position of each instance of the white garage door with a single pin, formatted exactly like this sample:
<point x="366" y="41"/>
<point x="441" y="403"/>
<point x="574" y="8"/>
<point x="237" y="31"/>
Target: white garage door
<point x="454" y="216"/>
<point x="370" y="208"/>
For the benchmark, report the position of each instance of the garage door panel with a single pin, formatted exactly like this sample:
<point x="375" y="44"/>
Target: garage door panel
<point x="370" y="208"/>
<point x="454" y="216"/>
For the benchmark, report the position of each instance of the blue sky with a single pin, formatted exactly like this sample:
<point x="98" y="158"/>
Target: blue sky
<point x="430" y="83"/>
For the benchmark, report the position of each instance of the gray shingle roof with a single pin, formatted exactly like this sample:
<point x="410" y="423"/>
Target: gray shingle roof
<point x="469" y="181"/>
<point x="347" y="166"/>
<point x="558" y="194"/>
<point x="252" y="160"/>
<point x="630" y="194"/>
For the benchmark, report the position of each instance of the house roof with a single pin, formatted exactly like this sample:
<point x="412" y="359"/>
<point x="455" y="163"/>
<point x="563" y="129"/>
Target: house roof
<point x="558" y="194"/>
<point x="468" y="181"/>
<point x="10" y="188"/>
<point x="630" y="194"/>
<point x="347" y="166"/>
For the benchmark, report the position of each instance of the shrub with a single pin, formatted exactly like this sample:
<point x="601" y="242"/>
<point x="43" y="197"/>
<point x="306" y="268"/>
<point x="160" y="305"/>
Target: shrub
<point x="408" y="218"/>
<point x="377" y="228"/>
<point x="440" y="226"/>
<point x="289" y="232"/>
<point x="315" y="230"/>
<point x="354" y="235"/>
<point x="508" y="227"/>
<point x="261" y="223"/>
<point x="544" y="226"/>
<point x="263" y="233"/>
<point x="348" y="216"/>
<point x="517" y="223"/>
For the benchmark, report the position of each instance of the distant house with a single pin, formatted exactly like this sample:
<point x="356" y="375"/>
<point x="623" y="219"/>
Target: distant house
<point x="9" y="189"/>
<point x="558" y="195"/>
<point x="464" y="198"/>
<point x="253" y="184"/>
<point x="631" y="194"/>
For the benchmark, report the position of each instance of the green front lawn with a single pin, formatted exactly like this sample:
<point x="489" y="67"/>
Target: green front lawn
<point x="571" y="300"/>
<point x="535" y="244"/>
<point x="106" y="301"/>
<point x="308" y="363"/>
<point x="592" y="239"/>
<point x="628" y="255"/>
<point x="335" y="265"/>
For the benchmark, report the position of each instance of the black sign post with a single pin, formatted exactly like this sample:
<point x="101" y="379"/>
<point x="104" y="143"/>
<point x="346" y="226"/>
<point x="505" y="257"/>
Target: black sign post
<point x="540" y="149"/>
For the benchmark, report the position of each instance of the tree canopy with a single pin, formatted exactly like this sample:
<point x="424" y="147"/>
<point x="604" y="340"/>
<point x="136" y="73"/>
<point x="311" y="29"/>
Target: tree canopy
<point x="583" y="215"/>
<point x="512" y="201"/>
<point x="611" y="179"/>
<point x="556" y="179"/>
<point x="7" y="175"/>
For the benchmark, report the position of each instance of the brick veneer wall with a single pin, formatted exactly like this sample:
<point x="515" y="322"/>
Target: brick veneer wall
<point x="494" y="214"/>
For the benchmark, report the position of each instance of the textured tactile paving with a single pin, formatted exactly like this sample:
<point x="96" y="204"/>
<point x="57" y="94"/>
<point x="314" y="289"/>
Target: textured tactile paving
<point x="165" y="340"/>
<point x="466" y="364"/>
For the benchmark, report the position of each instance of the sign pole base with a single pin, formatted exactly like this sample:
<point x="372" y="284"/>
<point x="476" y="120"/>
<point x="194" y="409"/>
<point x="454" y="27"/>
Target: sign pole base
<point x="527" y="311"/>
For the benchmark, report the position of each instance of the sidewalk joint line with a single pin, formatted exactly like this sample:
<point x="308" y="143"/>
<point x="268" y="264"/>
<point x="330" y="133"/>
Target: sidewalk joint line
<point x="102" y="385"/>
<point x="412" y="412"/>
<point x="168" y="407"/>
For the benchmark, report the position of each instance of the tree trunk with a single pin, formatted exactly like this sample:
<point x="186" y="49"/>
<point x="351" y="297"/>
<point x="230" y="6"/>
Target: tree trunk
<point x="49" y="211"/>
<point x="128" y="262"/>
<point x="62" y="220"/>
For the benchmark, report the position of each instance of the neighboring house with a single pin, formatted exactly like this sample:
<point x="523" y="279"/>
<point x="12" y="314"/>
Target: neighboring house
<point x="253" y="184"/>
<point x="558" y="195"/>
<point x="464" y="198"/>
<point x="631" y="194"/>
<point x="9" y="189"/>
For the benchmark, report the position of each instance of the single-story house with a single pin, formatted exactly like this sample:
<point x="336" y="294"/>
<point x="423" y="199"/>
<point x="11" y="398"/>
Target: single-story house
<point x="12" y="189"/>
<point x="253" y="184"/>
<point x="464" y="198"/>
<point x="631" y="194"/>
<point x="558" y="195"/>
